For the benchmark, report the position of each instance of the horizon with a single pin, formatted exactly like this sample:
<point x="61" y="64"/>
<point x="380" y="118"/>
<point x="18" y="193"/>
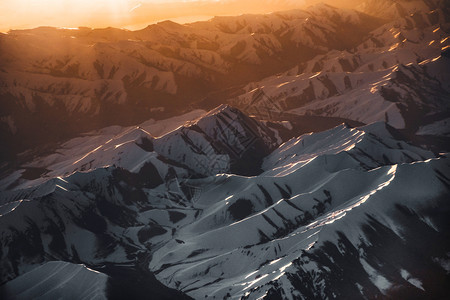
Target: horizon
<point x="127" y="14"/>
<point x="134" y="14"/>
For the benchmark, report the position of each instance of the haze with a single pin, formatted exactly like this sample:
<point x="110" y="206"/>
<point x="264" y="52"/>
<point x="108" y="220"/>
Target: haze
<point x="131" y="14"/>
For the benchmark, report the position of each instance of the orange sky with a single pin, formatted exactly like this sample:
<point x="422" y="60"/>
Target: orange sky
<point x="132" y="14"/>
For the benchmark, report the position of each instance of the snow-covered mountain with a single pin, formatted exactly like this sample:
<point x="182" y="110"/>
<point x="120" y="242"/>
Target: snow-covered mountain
<point x="295" y="155"/>
<point x="399" y="75"/>
<point x="58" y="82"/>
<point x="348" y="212"/>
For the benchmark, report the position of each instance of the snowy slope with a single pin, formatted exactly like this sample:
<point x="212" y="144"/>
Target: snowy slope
<point x="58" y="280"/>
<point x="363" y="147"/>
<point x="321" y="208"/>
<point x="122" y="146"/>
<point x="441" y="128"/>
<point x="376" y="81"/>
<point x="253" y="253"/>
<point x="223" y="140"/>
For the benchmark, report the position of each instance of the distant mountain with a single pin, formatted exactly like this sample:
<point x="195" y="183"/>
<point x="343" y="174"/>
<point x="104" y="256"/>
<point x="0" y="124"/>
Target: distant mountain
<point x="398" y="74"/>
<point x="348" y="212"/>
<point x="393" y="9"/>
<point x="55" y="83"/>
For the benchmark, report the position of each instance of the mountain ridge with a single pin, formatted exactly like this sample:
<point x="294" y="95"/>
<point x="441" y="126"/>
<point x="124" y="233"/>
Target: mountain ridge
<point x="96" y="73"/>
<point x="211" y="234"/>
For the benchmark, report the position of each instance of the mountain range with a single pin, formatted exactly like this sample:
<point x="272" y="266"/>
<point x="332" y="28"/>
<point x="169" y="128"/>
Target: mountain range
<point x="300" y="154"/>
<point x="321" y="215"/>
<point x="72" y="81"/>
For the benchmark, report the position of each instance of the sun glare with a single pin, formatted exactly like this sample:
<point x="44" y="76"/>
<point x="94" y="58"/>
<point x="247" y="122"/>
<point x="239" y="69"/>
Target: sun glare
<point x="131" y="14"/>
<point x="64" y="13"/>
